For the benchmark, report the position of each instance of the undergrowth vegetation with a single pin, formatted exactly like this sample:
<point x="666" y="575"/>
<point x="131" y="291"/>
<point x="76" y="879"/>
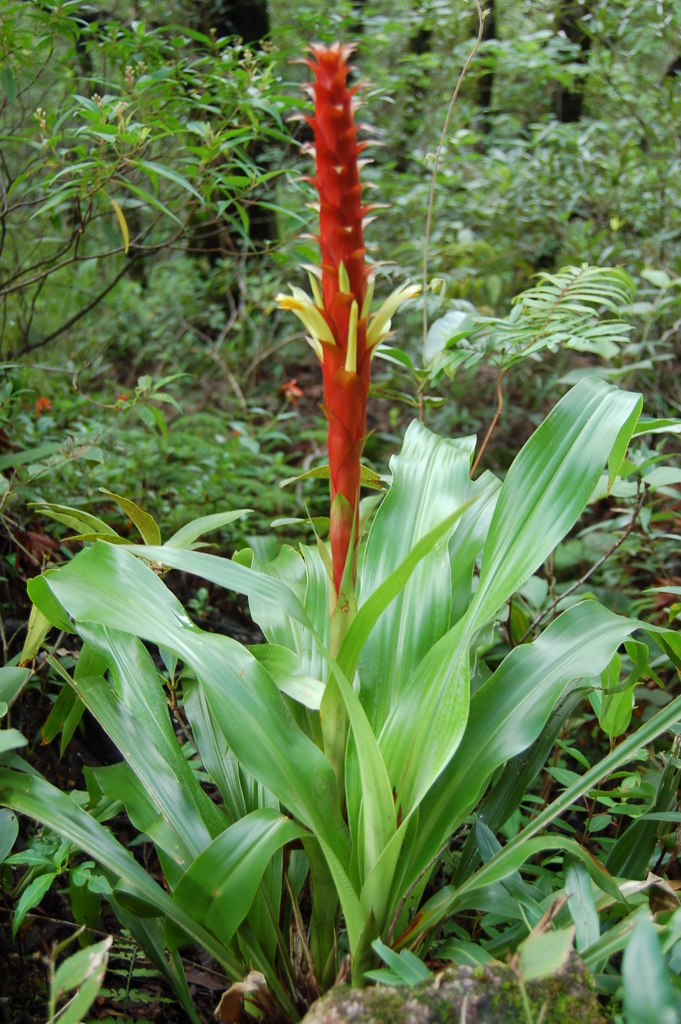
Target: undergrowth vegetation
<point x="355" y="740"/>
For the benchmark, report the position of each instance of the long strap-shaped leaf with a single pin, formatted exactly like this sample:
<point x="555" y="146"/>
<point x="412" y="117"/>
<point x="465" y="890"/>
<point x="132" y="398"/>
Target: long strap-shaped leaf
<point x="543" y="495"/>
<point x="137" y="685"/>
<point x="109" y="586"/>
<point x="435" y="541"/>
<point x="509" y="711"/>
<point x="36" y="798"/>
<point x="430" y="481"/>
<point x="156" y="776"/>
<point x="547" y="487"/>
<point x="229" y="574"/>
<point x="520" y="847"/>
<point x="220" y="886"/>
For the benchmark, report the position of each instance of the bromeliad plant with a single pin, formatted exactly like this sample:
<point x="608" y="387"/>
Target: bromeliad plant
<point x="349" y="748"/>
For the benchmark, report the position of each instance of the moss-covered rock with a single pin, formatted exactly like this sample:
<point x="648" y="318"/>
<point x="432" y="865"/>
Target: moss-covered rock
<point x="488" y="995"/>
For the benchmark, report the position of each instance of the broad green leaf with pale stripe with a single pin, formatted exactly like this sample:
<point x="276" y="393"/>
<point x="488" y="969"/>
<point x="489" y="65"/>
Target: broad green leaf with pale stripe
<point x="137" y="684"/>
<point x="108" y="585"/>
<point x="549" y="484"/>
<point x="229" y="574"/>
<point x="220" y="886"/>
<point x="33" y="796"/>
<point x="542" y="497"/>
<point x="509" y="711"/>
<point x="430" y="482"/>
<point x="186" y="536"/>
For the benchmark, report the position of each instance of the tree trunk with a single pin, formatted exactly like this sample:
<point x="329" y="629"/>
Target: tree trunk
<point x="569" y="19"/>
<point x="248" y="19"/>
<point x="419" y="44"/>
<point x="485" y="82"/>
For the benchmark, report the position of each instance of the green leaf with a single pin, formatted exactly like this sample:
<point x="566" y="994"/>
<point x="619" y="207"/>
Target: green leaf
<point x="648" y="992"/>
<point x="35" y="797"/>
<point x="107" y="585"/>
<point x="376" y="603"/>
<point x="353" y="914"/>
<point x="631" y="854"/>
<point x="9" y="830"/>
<point x="581" y="902"/>
<point x="15" y="459"/>
<point x="409" y="968"/>
<point x="549" y="485"/>
<point x="228" y="574"/>
<point x="616" y="708"/>
<point x="84" y="972"/>
<point x="172" y="800"/>
<point x="218" y="760"/>
<point x="76" y="518"/>
<point x="41" y="595"/>
<point x="145" y="523"/>
<point x="509" y="788"/>
<point x="38" y="628"/>
<point x="11" y="739"/>
<point x="498" y="868"/>
<point x="646" y="425"/>
<point x="509" y="711"/>
<point x="153" y="168"/>
<point x="8" y="82"/>
<point x="31" y="897"/>
<point x="219" y="887"/>
<point x="147" y="198"/>
<point x="407" y="585"/>
<point x="288" y="673"/>
<point x="542" y="496"/>
<point x="544" y="953"/>
<point x="185" y="537"/>
<point x="455" y="324"/>
<point x="368" y="477"/>
<point x="86" y="904"/>
<point x="464" y="953"/>
<point x="150" y="936"/>
<point x="11" y="681"/>
<point x="149" y="740"/>
<point x="60" y="711"/>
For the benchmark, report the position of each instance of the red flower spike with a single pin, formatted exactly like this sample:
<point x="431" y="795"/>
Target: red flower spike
<point x="345" y="365"/>
<point x="337" y="316"/>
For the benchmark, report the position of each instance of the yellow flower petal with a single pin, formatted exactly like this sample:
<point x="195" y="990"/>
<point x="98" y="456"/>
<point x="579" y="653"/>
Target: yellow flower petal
<point x="304" y="308"/>
<point x="351" y="351"/>
<point x="380" y="324"/>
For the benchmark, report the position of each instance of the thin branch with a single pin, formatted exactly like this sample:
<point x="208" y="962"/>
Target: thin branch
<point x="301" y="933"/>
<point x="495" y="420"/>
<point x="400" y="905"/>
<point x="587" y="575"/>
<point x="431" y="196"/>
<point x="266" y="353"/>
<point x="81" y="312"/>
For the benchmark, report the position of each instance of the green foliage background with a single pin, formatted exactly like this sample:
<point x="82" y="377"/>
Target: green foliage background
<point x="151" y="207"/>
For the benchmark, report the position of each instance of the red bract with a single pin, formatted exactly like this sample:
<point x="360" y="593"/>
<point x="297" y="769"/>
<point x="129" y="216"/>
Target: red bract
<point x="337" y="316"/>
<point x="344" y="287"/>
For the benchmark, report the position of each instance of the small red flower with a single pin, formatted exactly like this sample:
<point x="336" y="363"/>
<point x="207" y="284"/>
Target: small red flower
<point x="123" y="398"/>
<point x="291" y="391"/>
<point x="42" y="405"/>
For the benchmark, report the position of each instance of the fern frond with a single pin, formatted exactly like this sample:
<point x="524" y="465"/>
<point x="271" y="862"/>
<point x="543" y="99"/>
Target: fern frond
<point x="565" y="309"/>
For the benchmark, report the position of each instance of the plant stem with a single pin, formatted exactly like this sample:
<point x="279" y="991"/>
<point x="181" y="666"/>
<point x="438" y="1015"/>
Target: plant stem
<point x="431" y="196"/>
<point x="495" y="420"/>
<point x="587" y="575"/>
